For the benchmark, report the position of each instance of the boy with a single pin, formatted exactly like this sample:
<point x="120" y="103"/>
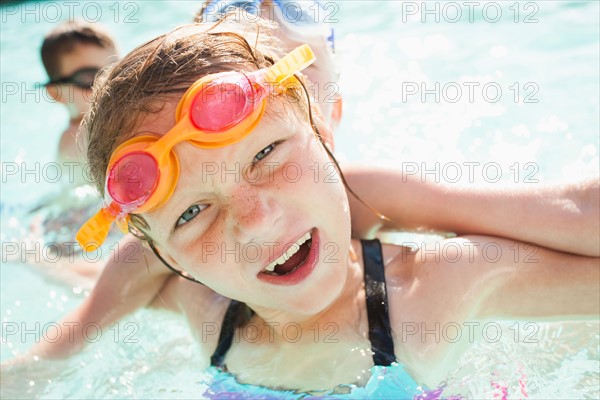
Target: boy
<point x="72" y="54"/>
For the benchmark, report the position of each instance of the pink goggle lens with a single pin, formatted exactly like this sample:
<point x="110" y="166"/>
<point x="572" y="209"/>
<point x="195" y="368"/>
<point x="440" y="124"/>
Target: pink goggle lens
<point x="220" y="106"/>
<point x="133" y="179"/>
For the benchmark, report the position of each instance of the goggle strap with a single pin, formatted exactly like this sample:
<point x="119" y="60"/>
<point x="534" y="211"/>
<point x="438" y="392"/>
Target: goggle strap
<point x="157" y="254"/>
<point x="295" y="61"/>
<point x="94" y="232"/>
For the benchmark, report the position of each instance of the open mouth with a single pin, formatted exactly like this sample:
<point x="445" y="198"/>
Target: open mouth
<point x="289" y="261"/>
<point x="294" y="264"/>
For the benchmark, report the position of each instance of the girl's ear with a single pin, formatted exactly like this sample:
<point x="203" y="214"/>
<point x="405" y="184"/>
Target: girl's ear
<point x="336" y="113"/>
<point x="55" y="92"/>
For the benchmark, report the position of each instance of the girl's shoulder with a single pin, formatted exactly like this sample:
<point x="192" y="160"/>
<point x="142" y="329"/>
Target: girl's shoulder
<point x="398" y="261"/>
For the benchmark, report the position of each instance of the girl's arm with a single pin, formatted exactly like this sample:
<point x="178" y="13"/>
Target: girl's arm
<point x="463" y="283"/>
<point x="126" y="284"/>
<point x="131" y="279"/>
<point x="561" y="217"/>
<point x="543" y="284"/>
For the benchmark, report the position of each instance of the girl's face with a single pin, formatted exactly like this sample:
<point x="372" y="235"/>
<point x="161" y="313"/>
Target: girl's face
<point x="239" y="208"/>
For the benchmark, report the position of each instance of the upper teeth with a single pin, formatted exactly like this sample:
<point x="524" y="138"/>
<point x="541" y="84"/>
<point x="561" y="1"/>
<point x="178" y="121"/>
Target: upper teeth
<point x="293" y="249"/>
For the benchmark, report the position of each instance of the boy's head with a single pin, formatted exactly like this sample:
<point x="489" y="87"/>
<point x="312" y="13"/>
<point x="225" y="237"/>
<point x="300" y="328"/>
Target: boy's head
<point x="72" y="53"/>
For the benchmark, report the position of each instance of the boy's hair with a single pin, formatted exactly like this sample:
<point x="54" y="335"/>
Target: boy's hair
<point x="63" y="39"/>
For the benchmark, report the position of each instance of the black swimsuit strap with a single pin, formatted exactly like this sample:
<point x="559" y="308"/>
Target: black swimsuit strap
<point x="226" y="334"/>
<point x="380" y="331"/>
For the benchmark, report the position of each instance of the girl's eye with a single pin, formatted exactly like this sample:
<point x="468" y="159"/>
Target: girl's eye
<point x="189" y="214"/>
<point x="263" y="153"/>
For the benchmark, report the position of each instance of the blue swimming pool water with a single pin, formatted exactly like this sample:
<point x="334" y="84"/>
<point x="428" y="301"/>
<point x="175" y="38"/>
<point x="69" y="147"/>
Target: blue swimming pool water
<point x="547" y="55"/>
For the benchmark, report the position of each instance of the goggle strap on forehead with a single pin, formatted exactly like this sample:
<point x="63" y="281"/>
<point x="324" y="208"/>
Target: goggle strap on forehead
<point x="294" y="61"/>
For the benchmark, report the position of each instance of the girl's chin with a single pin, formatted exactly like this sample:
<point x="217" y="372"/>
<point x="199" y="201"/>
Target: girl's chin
<point x="323" y="291"/>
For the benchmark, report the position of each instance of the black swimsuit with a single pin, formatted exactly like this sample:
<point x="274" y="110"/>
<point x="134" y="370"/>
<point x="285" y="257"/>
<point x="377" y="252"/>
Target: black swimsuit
<point x="380" y="331"/>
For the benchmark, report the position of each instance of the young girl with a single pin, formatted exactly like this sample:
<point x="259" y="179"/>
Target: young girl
<point x="205" y="150"/>
<point x="541" y="216"/>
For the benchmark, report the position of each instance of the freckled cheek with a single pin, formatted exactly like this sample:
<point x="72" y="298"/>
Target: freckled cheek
<point x="244" y="219"/>
<point x="202" y="258"/>
<point x="243" y="206"/>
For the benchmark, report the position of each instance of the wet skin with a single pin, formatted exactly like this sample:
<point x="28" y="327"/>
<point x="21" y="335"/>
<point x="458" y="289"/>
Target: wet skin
<point x="452" y="285"/>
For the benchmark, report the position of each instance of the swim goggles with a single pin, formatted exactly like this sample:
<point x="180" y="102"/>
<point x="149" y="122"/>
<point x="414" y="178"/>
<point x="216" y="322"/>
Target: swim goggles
<point x="217" y="110"/>
<point x="83" y="78"/>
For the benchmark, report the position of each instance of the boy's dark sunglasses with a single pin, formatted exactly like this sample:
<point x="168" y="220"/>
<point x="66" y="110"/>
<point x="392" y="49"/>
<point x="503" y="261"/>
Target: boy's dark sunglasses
<point x="83" y="78"/>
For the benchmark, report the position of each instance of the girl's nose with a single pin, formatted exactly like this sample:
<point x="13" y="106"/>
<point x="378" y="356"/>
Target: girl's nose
<point x="254" y="214"/>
